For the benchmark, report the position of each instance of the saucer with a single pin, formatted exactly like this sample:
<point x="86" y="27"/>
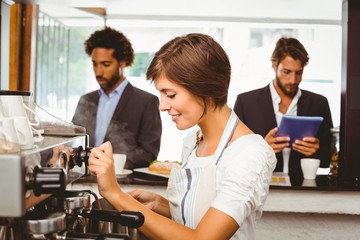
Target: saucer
<point x="124" y="173"/>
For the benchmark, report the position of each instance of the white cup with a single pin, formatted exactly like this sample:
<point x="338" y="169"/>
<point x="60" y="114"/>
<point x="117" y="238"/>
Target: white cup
<point x="23" y="128"/>
<point x="13" y="106"/>
<point x="10" y="139"/>
<point x="309" y="167"/>
<point x="119" y="163"/>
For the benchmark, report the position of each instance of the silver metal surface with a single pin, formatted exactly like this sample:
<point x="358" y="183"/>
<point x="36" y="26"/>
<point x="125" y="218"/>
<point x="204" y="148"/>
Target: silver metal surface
<point x="47" y="223"/>
<point x="71" y="202"/>
<point x="16" y="169"/>
<point x="12" y="185"/>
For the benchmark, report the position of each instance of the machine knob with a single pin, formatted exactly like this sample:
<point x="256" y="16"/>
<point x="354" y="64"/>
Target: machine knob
<point x="48" y="180"/>
<point x="80" y="156"/>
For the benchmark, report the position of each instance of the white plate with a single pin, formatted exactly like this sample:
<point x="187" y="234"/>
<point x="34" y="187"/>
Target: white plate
<point x="146" y="170"/>
<point x="124" y="173"/>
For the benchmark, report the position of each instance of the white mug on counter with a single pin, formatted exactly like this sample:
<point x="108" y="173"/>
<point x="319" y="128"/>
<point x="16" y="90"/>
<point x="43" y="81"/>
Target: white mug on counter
<point x="10" y="138"/>
<point x="23" y="128"/>
<point x="13" y="106"/>
<point x="16" y="132"/>
<point x="309" y="167"/>
<point x="119" y="163"/>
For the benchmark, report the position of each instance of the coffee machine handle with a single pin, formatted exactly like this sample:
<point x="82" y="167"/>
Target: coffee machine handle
<point x="48" y="180"/>
<point x="89" y="236"/>
<point x="132" y="219"/>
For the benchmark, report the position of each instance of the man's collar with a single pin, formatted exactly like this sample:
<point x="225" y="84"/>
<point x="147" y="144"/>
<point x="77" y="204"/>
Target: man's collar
<point x="122" y="85"/>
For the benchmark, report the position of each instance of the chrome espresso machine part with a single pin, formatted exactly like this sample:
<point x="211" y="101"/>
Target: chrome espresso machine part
<point x="34" y="202"/>
<point x="46" y="169"/>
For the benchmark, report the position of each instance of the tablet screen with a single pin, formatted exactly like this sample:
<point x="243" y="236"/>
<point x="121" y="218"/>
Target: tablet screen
<point x="298" y="127"/>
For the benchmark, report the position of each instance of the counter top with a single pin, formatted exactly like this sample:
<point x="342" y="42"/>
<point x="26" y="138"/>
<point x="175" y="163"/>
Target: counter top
<point x="314" y="201"/>
<point x="295" y="213"/>
<point x="301" y="199"/>
<point x="321" y="183"/>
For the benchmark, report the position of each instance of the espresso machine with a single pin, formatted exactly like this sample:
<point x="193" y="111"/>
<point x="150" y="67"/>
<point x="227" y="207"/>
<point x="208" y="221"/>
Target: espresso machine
<point x="35" y="202"/>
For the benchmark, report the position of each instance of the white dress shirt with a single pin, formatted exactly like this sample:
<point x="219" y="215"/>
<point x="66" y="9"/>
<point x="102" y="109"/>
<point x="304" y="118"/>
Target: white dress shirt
<point x="292" y="110"/>
<point x="105" y="111"/>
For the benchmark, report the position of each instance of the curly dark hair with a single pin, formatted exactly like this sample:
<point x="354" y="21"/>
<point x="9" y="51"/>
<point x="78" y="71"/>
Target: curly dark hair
<point x="289" y="47"/>
<point x="111" y="39"/>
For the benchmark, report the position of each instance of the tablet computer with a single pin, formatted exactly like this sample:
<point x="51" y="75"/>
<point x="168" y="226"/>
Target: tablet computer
<point x="298" y="127"/>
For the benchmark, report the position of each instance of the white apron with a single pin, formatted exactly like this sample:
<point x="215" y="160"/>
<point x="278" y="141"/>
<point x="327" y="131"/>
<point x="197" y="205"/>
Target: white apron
<point x="191" y="191"/>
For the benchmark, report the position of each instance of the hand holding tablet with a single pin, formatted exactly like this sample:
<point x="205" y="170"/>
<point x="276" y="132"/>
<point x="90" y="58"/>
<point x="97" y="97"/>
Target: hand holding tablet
<point x="298" y="127"/>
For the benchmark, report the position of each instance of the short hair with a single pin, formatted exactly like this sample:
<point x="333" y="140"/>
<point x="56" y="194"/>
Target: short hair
<point x="289" y="47"/>
<point x="196" y="62"/>
<point x="111" y="39"/>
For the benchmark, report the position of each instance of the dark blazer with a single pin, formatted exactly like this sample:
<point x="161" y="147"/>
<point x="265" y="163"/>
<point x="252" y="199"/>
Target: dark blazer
<point x="255" y="109"/>
<point x="135" y="128"/>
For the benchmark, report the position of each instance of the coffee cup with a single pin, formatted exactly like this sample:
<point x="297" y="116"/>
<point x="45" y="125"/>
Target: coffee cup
<point x="10" y="139"/>
<point x="309" y="167"/>
<point x="119" y="163"/>
<point x="23" y="128"/>
<point x="13" y="106"/>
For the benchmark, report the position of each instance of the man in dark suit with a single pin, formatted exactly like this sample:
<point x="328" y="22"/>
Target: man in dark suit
<point x="261" y="110"/>
<point x="118" y="112"/>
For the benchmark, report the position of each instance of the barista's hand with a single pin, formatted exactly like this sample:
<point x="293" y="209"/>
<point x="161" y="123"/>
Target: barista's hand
<point x="101" y="165"/>
<point x="152" y="201"/>
<point x="307" y="146"/>
<point x="277" y="143"/>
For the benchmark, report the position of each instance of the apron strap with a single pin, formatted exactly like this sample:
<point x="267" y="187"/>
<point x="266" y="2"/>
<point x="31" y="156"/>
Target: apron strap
<point x="225" y="138"/>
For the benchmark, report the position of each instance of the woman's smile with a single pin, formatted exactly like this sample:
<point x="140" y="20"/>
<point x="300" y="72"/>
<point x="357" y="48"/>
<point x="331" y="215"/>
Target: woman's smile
<point x="174" y="117"/>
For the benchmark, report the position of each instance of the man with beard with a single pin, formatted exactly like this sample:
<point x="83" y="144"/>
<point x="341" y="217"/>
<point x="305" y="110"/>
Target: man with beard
<point x="262" y="109"/>
<point x="126" y="116"/>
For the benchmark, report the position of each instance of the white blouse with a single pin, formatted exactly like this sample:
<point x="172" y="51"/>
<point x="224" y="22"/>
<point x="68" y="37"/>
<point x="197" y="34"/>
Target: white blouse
<point x="243" y="177"/>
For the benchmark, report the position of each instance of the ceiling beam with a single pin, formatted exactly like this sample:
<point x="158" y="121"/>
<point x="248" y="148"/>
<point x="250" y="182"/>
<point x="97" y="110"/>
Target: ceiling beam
<point x="96" y="10"/>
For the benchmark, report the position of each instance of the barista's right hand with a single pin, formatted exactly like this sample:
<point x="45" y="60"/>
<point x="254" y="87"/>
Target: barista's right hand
<point x="101" y="165"/>
<point x="277" y="143"/>
<point x="152" y="201"/>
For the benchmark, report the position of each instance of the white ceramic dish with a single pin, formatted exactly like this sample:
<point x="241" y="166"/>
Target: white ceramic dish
<point x="124" y="173"/>
<point x="146" y="170"/>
